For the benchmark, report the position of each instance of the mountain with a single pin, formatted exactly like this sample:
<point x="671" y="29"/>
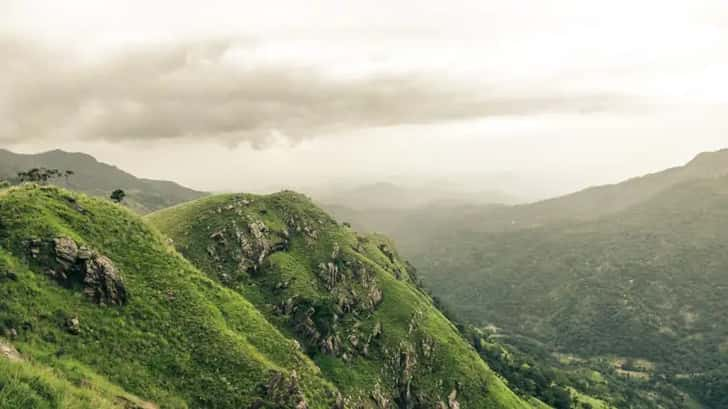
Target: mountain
<point x="92" y="295"/>
<point x="415" y="229"/>
<point x="349" y="300"/>
<point x="99" y="179"/>
<point x="597" y="201"/>
<point x="648" y="284"/>
<point x="287" y="309"/>
<point x="632" y="274"/>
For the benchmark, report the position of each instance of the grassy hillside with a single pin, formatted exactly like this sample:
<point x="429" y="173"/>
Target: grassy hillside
<point x="99" y="179"/>
<point x="28" y="385"/>
<point x="89" y="291"/>
<point x="350" y="301"/>
<point x="646" y="286"/>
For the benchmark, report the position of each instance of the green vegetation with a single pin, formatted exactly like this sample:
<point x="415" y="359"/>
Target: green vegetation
<point x="349" y="300"/>
<point x="105" y="314"/>
<point x="83" y="173"/>
<point x="117" y="196"/>
<point x="626" y="274"/>
<point x="25" y="385"/>
<point x="646" y="283"/>
<point x="180" y="340"/>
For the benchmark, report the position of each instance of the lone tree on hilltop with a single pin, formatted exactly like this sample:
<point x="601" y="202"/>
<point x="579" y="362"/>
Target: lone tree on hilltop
<point x="118" y="195"/>
<point x="67" y="174"/>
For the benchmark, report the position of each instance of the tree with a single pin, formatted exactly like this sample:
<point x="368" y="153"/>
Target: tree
<point x="118" y="195"/>
<point x="67" y="174"/>
<point x="39" y="175"/>
<point x="4" y="184"/>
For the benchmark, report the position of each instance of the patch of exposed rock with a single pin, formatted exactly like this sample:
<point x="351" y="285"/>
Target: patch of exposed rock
<point x="281" y="391"/>
<point x="9" y="352"/>
<point x="69" y="263"/>
<point x="248" y="245"/>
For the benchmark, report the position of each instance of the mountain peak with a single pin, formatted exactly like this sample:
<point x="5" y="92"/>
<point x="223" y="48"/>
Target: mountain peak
<point x="716" y="161"/>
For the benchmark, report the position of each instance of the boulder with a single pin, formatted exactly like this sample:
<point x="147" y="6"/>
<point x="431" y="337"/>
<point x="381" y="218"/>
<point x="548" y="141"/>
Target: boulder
<point x="66" y="251"/>
<point x="73" y="326"/>
<point x="71" y="264"/>
<point x="103" y="282"/>
<point x="283" y="391"/>
<point x="452" y="400"/>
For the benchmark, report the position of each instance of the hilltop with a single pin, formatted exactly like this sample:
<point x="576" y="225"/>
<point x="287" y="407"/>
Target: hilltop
<point x="288" y="309"/>
<point x="93" y="296"/>
<point x="99" y="179"/>
<point x="350" y="301"/>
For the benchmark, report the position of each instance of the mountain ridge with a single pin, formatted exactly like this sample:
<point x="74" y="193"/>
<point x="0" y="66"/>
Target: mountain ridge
<point x="99" y="179"/>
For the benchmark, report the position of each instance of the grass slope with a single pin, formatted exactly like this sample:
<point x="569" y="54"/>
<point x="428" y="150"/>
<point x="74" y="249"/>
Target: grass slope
<point x="27" y="385"/>
<point x="334" y="291"/>
<point x="181" y="341"/>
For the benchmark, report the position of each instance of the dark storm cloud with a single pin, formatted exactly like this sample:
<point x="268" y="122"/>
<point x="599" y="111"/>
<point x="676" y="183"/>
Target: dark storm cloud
<point x="199" y="91"/>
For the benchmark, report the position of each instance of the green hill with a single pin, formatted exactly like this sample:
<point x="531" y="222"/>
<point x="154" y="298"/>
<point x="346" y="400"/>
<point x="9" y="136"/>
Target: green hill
<point x="350" y="301"/>
<point x="88" y="291"/>
<point x="98" y="179"/>
<point x="647" y="286"/>
<point x="625" y="273"/>
<point x="97" y="310"/>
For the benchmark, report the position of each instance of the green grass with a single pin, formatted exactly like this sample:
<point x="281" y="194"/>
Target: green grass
<point x="25" y="385"/>
<point x="409" y="320"/>
<point x="181" y="341"/>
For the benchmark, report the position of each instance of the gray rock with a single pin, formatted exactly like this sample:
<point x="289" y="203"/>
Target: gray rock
<point x="103" y="283"/>
<point x="73" y="326"/>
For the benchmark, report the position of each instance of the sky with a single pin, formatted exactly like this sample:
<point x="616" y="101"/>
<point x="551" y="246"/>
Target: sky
<point x="242" y="95"/>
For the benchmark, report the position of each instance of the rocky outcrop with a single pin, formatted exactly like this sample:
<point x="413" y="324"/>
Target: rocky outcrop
<point x="103" y="282"/>
<point x="73" y="326"/>
<point x="281" y="391"/>
<point x="300" y="225"/>
<point x="452" y="400"/>
<point x="248" y="246"/>
<point x="71" y="264"/>
<point x="9" y="352"/>
<point x="380" y="400"/>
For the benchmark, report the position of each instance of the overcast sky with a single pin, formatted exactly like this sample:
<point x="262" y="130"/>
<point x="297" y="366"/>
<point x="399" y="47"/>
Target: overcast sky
<point x="239" y="95"/>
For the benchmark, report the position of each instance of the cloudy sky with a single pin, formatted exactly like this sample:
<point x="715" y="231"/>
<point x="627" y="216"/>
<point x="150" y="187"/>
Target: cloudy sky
<point x="243" y="95"/>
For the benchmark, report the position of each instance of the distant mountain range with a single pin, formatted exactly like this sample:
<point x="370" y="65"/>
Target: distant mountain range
<point x="99" y="179"/>
<point x="631" y="272"/>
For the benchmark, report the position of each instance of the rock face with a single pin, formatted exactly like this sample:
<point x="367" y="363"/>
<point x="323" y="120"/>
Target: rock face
<point x="281" y="391"/>
<point x="8" y="352"/>
<point x="73" y="325"/>
<point x="103" y="283"/>
<point x="248" y="246"/>
<point x="70" y="264"/>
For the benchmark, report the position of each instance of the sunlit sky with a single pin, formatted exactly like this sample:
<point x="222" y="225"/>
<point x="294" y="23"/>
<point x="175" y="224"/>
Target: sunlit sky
<point x="238" y="95"/>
